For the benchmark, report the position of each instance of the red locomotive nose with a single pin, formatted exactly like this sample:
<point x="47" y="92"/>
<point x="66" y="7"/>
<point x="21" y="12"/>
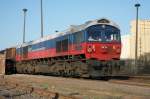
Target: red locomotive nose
<point x="104" y="49"/>
<point x="117" y="49"/>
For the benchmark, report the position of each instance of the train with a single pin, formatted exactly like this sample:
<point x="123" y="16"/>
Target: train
<point x="86" y="50"/>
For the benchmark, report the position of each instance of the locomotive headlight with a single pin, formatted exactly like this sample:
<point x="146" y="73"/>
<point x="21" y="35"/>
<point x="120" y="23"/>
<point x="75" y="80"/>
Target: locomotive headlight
<point x="114" y="47"/>
<point x="104" y="47"/>
<point x="94" y="48"/>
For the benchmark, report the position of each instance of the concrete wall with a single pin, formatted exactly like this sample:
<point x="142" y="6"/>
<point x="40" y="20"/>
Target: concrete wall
<point x="125" y="51"/>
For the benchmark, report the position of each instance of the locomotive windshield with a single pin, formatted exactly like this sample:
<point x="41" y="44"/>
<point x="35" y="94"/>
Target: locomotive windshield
<point x="103" y="33"/>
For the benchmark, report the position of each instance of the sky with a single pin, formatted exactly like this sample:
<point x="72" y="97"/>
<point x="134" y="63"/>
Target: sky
<point x="60" y="14"/>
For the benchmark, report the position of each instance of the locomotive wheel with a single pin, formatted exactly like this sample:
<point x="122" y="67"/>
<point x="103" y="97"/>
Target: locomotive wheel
<point x="85" y="69"/>
<point x="69" y="69"/>
<point x="30" y="68"/>
<point x="19" y="67"/>
<point x="80" y="69"/>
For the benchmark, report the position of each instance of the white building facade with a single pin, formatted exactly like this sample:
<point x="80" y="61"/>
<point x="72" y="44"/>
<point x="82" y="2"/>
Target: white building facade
<point x="143" y="38"/>
<point x="128" y="41"/>
<point x="125" y="51"/>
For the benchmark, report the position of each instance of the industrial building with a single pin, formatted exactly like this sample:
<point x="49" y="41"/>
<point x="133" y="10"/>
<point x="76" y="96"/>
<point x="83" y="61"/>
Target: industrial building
<point x="128" y="41"/>
<point x="143" y="38"/>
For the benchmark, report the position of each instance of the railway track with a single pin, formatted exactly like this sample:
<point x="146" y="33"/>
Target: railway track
<point x="126" y="80"/>
<point x="143" y="81"/>
<point x="132" y="80"/>
<point x="13" y="89"/>
<point x="47" y="87"/>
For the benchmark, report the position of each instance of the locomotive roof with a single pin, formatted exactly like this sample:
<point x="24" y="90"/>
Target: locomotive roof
<point x="72" y="29"/>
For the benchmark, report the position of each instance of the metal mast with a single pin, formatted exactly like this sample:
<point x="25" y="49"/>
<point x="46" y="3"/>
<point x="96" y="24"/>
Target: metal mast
<point x="136" y="39"/>
<point x="24" y="26"/>
<point x="41" y="18"/>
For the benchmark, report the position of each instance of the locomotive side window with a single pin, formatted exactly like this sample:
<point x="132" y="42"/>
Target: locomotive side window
<point x="58" y="46"/>
<point x="25" y="52"/>
<point x="62" y="45"/>
<point x="29" y="48"/>
<point x="49" y="44"/>
<point x="78" y="37"/>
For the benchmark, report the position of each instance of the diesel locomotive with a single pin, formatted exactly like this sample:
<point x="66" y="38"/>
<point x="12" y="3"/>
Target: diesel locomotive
<point x="86" y="50"/>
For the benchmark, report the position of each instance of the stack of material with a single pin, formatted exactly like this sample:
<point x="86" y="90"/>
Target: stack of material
<point x="2" y="64"/>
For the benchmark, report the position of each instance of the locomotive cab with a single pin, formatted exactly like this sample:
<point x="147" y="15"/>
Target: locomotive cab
<point x="103" y="42"/>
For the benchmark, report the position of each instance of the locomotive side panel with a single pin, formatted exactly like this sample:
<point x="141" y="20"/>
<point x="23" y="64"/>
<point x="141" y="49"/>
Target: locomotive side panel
<point x="72" y="44"/>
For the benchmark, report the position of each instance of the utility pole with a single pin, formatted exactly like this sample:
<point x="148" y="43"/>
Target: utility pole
<point x="41" y="18"/>
<point x="136" y="39"/>
<point x="24" y="26"/>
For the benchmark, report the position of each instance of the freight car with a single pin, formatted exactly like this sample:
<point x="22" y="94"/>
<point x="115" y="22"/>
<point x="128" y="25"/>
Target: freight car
<point x="10" y="59"/>
<point x="81" y="51"/>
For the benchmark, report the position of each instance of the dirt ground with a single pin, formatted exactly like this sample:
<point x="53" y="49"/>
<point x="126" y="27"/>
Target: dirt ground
<point x="80" y="88"/>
